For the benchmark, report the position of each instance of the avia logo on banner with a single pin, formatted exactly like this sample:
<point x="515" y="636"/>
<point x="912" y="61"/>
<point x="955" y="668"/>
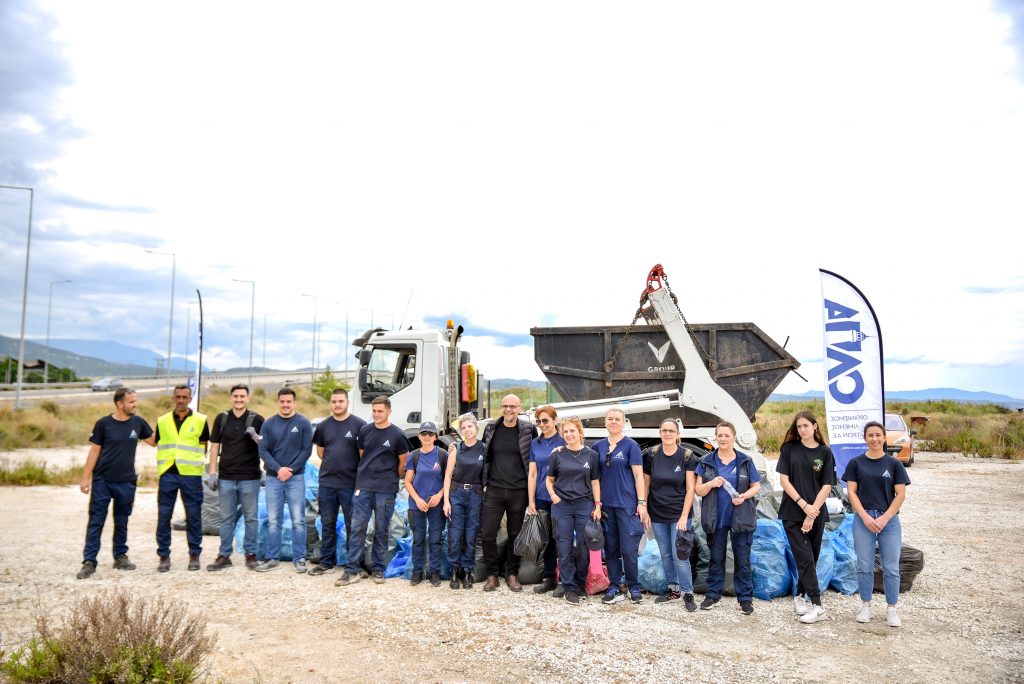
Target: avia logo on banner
<point x="852" y="365"/>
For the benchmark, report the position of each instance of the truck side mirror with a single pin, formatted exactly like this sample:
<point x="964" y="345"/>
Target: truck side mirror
<point x="364" y="357"/>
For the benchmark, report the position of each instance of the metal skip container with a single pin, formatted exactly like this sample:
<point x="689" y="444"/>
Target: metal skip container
<point x="740" y="358"/>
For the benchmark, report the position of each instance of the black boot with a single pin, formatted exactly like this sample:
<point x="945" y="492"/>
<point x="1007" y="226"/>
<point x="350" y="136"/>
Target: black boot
<point x="456" y="576"/>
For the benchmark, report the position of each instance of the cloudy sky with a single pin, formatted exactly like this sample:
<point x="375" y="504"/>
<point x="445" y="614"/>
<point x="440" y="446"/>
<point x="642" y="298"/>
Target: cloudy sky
<point x="516" y="165"/>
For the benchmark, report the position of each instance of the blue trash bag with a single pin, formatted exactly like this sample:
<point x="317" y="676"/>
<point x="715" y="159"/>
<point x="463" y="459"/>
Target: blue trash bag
<point x="844" y="567"/>
<point x="401" y="564"/>
<point x="825" y="562"/>
<point x="768" y="561"/>
<point x="652" y="572"/>
<point x="312" y="476"/>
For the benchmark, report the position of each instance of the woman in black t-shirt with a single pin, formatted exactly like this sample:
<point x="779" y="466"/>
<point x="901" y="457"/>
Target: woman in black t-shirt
<point x="463" y="499"/>
<point x="807" y="470"/>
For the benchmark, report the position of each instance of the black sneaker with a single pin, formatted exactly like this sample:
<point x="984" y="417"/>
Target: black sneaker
<point x="321" y="569"/>
<point x="635" y="596"/>
<point x="122" y="563"/>
<point x="87" y="570"/>
<point x="708" y="603"/>
<point x="545" y="586"/>
<point x="378" y="577"/>
<point x="454" y="582"/>
<point x="417" y="578"/>
<point x="164" y="565"/>
<point x="747" y="607"/>
<point x="690" y="604"/>
<point x="435" y="579"/>
<point x="671" y="595"/>
<point x="558" y="592"/>
<point x="346" y="579"/>
<point x="572" y="597"/>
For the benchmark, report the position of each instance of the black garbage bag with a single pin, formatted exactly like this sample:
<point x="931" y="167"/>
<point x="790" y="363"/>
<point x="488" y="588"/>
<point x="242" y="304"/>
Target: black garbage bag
<point x="911" y="563"/>
<point x="533" y="537"/>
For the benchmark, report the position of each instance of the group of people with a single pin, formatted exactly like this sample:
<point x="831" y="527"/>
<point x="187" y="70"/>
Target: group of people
<point x="513" y="469"/>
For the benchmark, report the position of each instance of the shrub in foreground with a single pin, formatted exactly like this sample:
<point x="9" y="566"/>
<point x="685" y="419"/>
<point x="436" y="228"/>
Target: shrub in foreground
<point x="115" y="637"/>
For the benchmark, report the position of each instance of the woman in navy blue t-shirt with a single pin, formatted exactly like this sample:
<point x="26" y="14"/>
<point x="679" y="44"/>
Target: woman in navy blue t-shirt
<point x="537" y="491"/>
<point x="463" y="499"/>
<point x="877" y="486"/>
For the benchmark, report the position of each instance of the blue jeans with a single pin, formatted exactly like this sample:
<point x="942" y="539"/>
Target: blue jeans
<point x="622" y="533"/>
<point x="677" y="572"/>
<point x="292" y="492"/>
<point x="191" y="488"/>
<point x="103" y="492"/>
<point x="331" y="498"/>
<point x="464" y="525"/>
<point x="890" y="541"/>
<point x="381" y="505"/>
<point x="572" y="518"/>
<point x="432" y="523"/>
<point x="232" y="494"/>
<point x="551" y="550"/>
<point x="742" y="580"/>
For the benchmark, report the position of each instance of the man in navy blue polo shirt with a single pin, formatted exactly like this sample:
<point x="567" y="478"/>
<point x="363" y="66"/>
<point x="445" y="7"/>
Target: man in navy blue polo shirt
<point x="336" y="441"/>
<point x="383" y="449"/>
<point x="109" y="475"/>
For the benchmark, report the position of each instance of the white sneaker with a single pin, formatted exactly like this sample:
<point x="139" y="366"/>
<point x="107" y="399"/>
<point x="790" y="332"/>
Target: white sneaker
<point x="892" y="617"/>
<point x="800" y="604"/>
<point x="865" y="613"/>
<point x="814" y="614"/>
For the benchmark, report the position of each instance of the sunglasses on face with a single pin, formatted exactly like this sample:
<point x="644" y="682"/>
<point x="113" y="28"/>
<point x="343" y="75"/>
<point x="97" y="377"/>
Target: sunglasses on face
<point x="543" y="421"/>
<point x="427" y="434"/>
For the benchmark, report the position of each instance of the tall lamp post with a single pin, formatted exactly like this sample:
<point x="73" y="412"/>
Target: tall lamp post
<point x="24" y="292"/>
<point x="170" y="320"/>
<point x="49" y="309"/>
<point x="313" y="370"/>
<point x="252" y="321"/>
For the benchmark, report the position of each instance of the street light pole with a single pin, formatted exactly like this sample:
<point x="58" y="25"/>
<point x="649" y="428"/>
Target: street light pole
<point x="313" y="370"/>
<point x="252" y="321"/>
<point x="170" y="319"/>
<point x="49" y="309"/>
<point x="24" y="292"/>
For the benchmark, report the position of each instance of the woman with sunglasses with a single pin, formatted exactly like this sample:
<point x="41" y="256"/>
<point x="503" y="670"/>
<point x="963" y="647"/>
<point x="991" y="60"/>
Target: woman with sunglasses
<point x="463" y="499"/>
<point x="539" y="498"/>
<point x="574" y="485"/>
<point x="807" y="471"/>
<point x="670" y="481"/>
<point x="624" y="508"/>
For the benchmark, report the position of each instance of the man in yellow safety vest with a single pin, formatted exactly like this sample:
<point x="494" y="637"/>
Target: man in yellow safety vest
<point x="181" y="437"/>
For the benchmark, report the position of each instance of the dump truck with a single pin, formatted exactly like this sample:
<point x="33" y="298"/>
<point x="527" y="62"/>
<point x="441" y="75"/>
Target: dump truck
<point x="657" y="367"/>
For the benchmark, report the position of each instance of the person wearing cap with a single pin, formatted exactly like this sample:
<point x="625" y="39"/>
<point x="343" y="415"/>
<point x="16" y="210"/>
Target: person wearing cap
<point x="424" y="481"/>
<point x="574" y="484"/>
<point x="670" y="481"/>
<point x="463" y="501"/>
<point x="336" y="440"/>
<point x="625" y="507"/>
<point x="540" y="500"/>
<point x="727" y="483"/>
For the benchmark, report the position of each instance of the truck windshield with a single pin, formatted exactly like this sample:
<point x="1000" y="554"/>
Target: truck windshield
<point x="390" y="370"/>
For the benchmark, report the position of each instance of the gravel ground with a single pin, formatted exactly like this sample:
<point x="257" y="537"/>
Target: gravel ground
<point x="963" y="620"/>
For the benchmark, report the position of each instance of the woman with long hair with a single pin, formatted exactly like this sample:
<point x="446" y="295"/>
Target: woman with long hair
<point x="807" y="471"/>
<point x="877" y="486"/>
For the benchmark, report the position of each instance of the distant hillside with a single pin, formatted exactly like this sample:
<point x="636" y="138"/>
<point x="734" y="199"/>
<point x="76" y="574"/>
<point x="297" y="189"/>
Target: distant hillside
<point x="83" y="363"/>
<point x="115" y="352"/>
<point x="932" y="394"/>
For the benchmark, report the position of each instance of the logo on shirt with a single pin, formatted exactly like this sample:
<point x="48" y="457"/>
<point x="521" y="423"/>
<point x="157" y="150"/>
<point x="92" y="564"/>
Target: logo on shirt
<point x="437" y="466"/>
<point x="619" y="456"/>
<point x="387" y="442"/>
<point x="586" y="466"/>
<point x="678" y="469"/>
<point x="134" y="435"/>
<point x="817" y="465"/>
<point x="349" y="434"/>
<point x="480" y="457"/>
<point x="295" y="428"/>
<point x="886" y="474"/>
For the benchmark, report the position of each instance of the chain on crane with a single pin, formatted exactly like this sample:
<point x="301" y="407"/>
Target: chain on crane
<point x="656" y="280"/>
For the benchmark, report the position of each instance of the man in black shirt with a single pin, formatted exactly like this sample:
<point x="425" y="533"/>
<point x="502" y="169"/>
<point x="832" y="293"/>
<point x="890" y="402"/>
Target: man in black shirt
<point x="235" y="471"/>
<point x="505" y="467"/>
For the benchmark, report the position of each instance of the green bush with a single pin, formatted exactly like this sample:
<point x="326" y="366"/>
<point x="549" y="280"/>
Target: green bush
<point x="128" y="639"/>
<point x="326" y="383"/>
